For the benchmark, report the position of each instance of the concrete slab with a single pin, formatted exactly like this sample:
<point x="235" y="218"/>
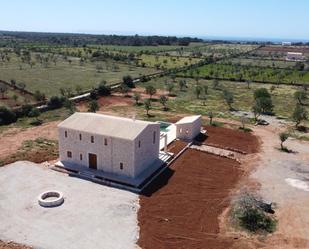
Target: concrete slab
<point x="92" y="215"/>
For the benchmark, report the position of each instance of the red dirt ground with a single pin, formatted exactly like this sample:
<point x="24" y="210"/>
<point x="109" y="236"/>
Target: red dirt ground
<point x="231" y="139"/>
<point x="185" y="212"/>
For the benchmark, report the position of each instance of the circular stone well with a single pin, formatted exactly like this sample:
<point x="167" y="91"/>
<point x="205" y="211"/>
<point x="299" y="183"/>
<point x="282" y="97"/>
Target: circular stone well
<point x="51" y="199"/>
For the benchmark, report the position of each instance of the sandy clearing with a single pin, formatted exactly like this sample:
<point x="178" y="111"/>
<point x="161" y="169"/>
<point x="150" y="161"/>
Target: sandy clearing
<point x="272" y="170"/>
<point x="12" y="139"/>
<point x="92" y="216"/>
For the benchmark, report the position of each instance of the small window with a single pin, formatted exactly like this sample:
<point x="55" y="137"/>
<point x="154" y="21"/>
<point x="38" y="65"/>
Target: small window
<point x="69" y="154"/>
<point x="105" y="141"/>
<point x="154" y="137"/>
<point x="139" y="143"/>
<point x="80" y="136"/>
<point x="81" y="157"/>
<point x="66" y="134"/>
<point x="187" y="131"/>
<point x="180" y="130"/>
<point x="121" y="166"/>
<point x="92" y="139"/>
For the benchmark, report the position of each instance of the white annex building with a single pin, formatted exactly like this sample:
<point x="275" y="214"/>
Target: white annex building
<point x="119" y="149"/>
<point x="188" y="128"/>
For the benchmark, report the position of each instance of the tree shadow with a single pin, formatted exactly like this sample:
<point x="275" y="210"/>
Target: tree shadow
<point x="303" y="129"/>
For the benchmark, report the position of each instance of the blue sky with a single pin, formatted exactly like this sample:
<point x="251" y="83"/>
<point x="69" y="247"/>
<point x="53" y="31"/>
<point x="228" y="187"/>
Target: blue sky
<point x="224" y="18"/>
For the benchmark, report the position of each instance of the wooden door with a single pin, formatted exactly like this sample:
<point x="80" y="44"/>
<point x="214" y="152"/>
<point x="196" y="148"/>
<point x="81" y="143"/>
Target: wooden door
<point x="92" y="161"/>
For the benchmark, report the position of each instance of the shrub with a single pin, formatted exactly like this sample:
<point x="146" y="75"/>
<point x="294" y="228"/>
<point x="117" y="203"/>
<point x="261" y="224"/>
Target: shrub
<point x="55" y="102"/>
<point x="128" y="80"/>
<point x="103" y="89"/>
<point x="7" y="116"/>
<point x="255" y="220"/>
<point x="35" y="112"/>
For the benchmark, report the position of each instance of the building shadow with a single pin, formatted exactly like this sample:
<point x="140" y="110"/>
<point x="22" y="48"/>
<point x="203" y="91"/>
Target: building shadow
<point x="159" y="182"/>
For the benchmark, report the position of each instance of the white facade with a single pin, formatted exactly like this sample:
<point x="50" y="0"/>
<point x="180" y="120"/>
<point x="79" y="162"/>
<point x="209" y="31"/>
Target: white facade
<point x="113" y="145"/>
<point x="189" y="127"/>
<point x="286" y="44"/>
<point x="291" y="56"/>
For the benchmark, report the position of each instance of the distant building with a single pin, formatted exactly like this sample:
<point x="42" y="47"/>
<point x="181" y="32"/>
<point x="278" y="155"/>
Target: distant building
<point x="292" y="56"/>
<point x="286" y="44"/>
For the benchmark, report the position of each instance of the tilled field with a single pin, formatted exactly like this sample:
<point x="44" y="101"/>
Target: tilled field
<point x="231" y="139"/>
<point x="181" y="208"/>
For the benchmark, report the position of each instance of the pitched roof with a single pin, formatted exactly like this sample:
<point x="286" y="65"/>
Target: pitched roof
<point x="105" y="125"/>
<point x="189" y="119"/>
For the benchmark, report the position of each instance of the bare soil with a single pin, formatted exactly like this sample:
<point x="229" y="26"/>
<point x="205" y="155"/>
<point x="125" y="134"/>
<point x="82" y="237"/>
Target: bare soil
<point x="12" y="139"/>
<point x="230" y="139"/>
<point x="12" y="245"/>
<point x="176" y="146"/>
<point x="185" y="212"/>
<point x="285" y="49"/>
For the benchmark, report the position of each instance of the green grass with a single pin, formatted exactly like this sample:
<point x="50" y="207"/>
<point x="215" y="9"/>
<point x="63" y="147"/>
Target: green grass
<point x="49" y="80"/>
<point x="262" y="63"/>
<point x="187" y="102"/>
<point x="166" y="61"/>
<point x="246" y="73"/>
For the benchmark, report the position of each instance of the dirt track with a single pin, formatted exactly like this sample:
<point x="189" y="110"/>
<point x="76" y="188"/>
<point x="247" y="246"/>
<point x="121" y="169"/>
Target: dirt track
<point x="184" y="213"/>
<point x="285" y="49"/>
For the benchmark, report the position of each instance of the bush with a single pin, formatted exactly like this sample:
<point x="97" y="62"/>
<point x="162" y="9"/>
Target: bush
<point x="255" y="220"/>
<point x="103" y="89"/>
<point x="55" y="102"/>
<point x="7" y="116"/>
<point x="128" y="80"/>
<point x="35" y="112"/>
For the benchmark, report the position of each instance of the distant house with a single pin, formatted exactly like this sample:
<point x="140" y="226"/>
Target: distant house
<point x="286" y="44"/>
<point x="116" y="146"/>
<point x="188" y="128"/>
<point x="292" y="56"/>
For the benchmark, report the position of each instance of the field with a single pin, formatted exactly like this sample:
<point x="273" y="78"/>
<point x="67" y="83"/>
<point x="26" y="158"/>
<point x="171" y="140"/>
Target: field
<point x="241" y="73"/>
<point x="258" y="62"/>
<point x="186" y="101"/>
<point x="49" y="79"/>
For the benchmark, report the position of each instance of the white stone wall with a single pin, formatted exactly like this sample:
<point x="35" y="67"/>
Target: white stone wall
<point x="188" y="131"/>
<point x="149" y="151"/>
<point x="109" y="156"/>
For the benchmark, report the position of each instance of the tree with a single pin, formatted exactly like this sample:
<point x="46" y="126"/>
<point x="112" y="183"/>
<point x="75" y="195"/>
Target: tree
<point x="229" y="98"/>
<point x="198" y="90"/>
<point x="300" y="96"/>
<point x="263" y="100"/>
<point x="210" y="116"/>
<point x="182" y="84"/>
<point x="34" y="113"/>
<point x="93" y="106"/>
<point x="124" y="89"/>
<point x="163" y="100"/>
<point x="283" y="137"/>
<point x="13" y="83"/>
<point x="137" y="98"/>
<point x="39" y="96"/>
<point x="15" y="98"/>
<point x="216" y="85"/>
<point x="69" y="104"/>
<point x="150" y="90"/>
<point x="104" y="89"/>
<point x="78" y="89"/>
<point x="55" y="102"/>
<point x="21" y="86"/>
<point x="128" y="80"/>
<point x="299" y="115"/>
<point x="257" y="110"/>
<point x="261" y="93"/>
<point x="170" y="87"/>
<point x="7" y="116"/>
<point x="3" y="90"/>
<point x="147" y="105"/>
